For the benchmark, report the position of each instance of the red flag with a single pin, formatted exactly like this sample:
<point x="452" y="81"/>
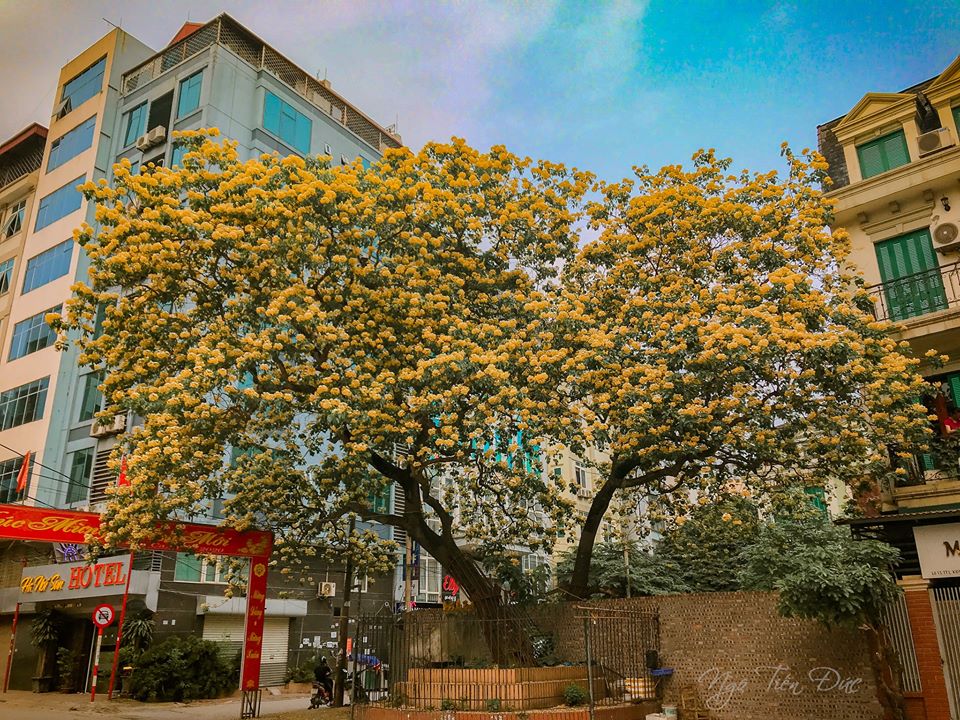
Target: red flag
<point x="122" y="480"/>
<point x="24" y="473"/>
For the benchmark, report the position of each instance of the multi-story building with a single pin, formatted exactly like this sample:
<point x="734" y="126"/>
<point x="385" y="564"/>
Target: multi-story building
<point x="895" y="165"/>
<point x="120" y="99"/>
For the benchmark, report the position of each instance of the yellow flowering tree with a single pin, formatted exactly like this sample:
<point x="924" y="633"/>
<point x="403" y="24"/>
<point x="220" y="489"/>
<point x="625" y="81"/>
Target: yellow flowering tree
<point x="712" y="337"/>
<point x="301" y="338"/>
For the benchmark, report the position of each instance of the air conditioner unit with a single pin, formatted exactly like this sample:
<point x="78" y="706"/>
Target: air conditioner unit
<point x="326" y="589"/>
<point x="945" y="231"/>
<point x="143" y="143"/>
<point x="157" y="135"/>
<point x="933" y="141"/>
<point x="583" y="492"/>
<point x="109" y="427"/>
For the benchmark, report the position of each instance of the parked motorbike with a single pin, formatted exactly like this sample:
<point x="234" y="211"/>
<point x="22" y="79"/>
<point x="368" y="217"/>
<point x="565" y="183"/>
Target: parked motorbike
<point x="320" y="696"/>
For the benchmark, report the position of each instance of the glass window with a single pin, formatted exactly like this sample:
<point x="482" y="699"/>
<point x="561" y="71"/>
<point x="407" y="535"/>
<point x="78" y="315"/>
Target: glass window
<point x="882" y="154"/>
<point x="14" y="221"/>
<point x="32" y="334"/>
<point x="189" y="94"/>
<point x="136" y="124"/>
<point x="287" y="123"/>
<point x="81" y="465"/>
<point x="6" y="275"/>
<point x="85" y="85"/>
<point x="23" y="404"/>
<point x="92" y="397"/>
<point x="48" y="266"/>
<point x="580" y="473"/>
<point x="176" y="155"/>
<point x="9" y="471"/>
<point x="71" y="144"/>
<point x="187" y="568"/>
<point x="60" y="203"/>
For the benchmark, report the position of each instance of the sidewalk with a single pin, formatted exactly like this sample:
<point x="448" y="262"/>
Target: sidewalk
<point x="22" y="705"/>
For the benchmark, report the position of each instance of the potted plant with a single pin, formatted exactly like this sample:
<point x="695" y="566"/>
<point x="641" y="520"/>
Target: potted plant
<point x="67" y="669"/>
<point x="45" y="636"/>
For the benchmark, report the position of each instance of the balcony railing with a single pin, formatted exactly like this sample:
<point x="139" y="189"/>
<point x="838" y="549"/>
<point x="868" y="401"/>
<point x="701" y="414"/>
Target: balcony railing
<point x="918" y="294"/>
<point x="253" y="51"/>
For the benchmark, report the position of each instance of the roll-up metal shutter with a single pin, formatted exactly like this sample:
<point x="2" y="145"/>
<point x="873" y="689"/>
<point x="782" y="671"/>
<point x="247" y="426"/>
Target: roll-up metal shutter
<point x="227" y="630"/>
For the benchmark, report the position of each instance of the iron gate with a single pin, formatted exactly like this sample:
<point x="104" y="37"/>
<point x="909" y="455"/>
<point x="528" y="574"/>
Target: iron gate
<point x="946" y="605"/>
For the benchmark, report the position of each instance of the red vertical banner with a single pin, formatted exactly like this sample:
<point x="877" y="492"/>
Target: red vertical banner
<point x="253" y="629"/>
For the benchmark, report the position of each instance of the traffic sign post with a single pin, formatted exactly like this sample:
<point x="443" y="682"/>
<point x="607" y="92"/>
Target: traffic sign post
<point x="102" y="617"/>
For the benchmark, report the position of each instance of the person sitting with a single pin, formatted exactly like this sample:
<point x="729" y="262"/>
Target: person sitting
<point x="952" y="422"/>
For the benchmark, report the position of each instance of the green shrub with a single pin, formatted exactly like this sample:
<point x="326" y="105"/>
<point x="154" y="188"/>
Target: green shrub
<point x="299" y="674"/>
<point x="493" y="705"/>
<point x="183" y="668"/>
<point x="447" y="704"/>
<point x="574" y="695"/>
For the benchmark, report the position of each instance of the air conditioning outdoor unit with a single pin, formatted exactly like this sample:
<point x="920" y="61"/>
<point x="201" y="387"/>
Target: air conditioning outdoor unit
<point x="157" y="135"/>
<point x="945" y="231"/>
<point x="143" y="143"/>
<point x="933" y="141"/>
<point x="326" y="589"/>
<point x="109" y="427"/>
<point x="583" y="492"/>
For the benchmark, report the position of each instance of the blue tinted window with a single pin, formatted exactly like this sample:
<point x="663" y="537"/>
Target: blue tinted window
<point x="189" y="94"/>
<point x="176" y="155"/>
<point x="71" y="144"/>
<point x="58" y="204"/>
<point x="32" y="334"/>
<point x="136" y="124"/>
<point x="23" y="404"/>
<point x="48" y="266"/>
<point x="85" y="85"/>
<point x="287" y="123"/>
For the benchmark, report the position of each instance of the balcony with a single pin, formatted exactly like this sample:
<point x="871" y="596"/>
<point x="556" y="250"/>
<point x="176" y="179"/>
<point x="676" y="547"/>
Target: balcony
<point x="917" y="295"/>
<point x="230" y="34"/>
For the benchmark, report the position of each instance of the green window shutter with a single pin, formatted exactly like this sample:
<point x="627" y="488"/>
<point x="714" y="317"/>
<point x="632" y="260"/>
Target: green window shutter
<point x="909" y="269"/>
<point x="882" y="154"/>
<point x="956" y="116"/>
<point x="187" y="568"/>
<point x="928" y="461"/>
<point x="954" y="381"/>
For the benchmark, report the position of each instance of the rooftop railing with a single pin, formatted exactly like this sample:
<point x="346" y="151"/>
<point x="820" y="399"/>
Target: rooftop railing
<point x="230" y="34"/>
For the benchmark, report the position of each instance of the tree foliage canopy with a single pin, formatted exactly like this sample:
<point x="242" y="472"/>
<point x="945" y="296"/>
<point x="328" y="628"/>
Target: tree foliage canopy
<point x="304" y="339"/>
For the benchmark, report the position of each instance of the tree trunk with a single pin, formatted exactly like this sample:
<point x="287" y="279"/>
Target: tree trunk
<point x="886" y="671"/>
<point x="579" y="584"/>
<point x="502" y="624"/>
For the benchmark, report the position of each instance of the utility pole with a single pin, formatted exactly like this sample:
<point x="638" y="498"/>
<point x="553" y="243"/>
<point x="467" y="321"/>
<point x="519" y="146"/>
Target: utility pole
<point x="337" y="700"/>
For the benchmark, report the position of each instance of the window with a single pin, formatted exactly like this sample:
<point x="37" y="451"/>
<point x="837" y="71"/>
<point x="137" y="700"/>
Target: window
<point x="956" y="117"/>
<point x="58" y="204"/>
<point x="176" y="155"/>
<point x="6" y="275"/>
<point x="71" y="144"/>
<point x="23" y="404"/>
<point x="32" y="334"/>
<point x="48" y="266"/>
<point x="136" y="124"/>
<point x="912" y="283"/>
<point x="190" y="568"/>
<point x="81" y="465"/>
<point x="580" y="473"/>
<point x="14" y="222"/>
<point x="85" y="85"/>
<point x="287" y="123"/>
<point x="92" y="397"/>
<point x="189" y="99"/>
<point x="817" y="497"/>
<point x="9" y="471"/>
<point x="882" y="154"/>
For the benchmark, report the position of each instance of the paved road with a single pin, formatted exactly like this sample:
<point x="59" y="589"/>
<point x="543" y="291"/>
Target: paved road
<point x="20" y="705"/>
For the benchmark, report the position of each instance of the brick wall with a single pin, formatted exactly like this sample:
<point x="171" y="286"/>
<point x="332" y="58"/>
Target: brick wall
<point x="743" y="660"/>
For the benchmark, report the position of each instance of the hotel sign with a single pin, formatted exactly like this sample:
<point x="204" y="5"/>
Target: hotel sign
<point x="73" y="580"/>
<point x="938" y="547"/>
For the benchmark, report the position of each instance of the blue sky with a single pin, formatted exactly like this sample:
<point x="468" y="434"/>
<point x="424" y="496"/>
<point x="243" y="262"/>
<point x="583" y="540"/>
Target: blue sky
<point x="603" y="85"/>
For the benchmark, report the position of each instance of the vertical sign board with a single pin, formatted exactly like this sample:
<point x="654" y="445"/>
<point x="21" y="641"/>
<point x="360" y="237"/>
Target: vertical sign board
<point x="102" y="617"/>
<point x="938" y="547"/>
<point x="21" y="522"/>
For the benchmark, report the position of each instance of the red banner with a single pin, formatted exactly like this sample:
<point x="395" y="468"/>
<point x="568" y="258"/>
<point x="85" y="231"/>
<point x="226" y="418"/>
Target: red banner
<point x="19" y="522"/>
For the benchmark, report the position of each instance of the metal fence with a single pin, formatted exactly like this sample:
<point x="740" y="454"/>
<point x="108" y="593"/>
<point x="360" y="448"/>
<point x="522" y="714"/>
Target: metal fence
<point x="897" y="622"/>
<point x="946" y="603"/>
<point x="431" y="660"/>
